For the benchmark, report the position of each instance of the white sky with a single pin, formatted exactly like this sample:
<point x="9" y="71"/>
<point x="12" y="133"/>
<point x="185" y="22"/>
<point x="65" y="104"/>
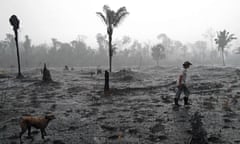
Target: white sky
<point x="184" y="20"/>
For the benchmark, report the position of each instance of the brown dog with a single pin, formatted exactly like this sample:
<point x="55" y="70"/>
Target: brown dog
<point x="40" y="122"/>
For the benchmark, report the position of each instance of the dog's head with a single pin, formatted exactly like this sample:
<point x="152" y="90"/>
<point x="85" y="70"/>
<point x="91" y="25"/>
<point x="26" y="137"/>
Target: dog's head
<point x="50" y="117"/>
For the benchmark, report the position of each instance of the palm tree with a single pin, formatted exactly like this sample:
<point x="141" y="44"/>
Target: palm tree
<point x="222" y="40"/>
<point x="112" y="19"/>
<point x="15" y="23"/>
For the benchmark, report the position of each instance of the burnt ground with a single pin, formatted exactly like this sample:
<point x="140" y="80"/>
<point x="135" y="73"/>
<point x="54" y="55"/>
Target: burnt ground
<point x="139" y="108"/>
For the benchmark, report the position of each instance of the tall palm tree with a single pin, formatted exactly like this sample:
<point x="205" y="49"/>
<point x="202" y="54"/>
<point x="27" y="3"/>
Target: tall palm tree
<point x="15" y="23"/>
<point x="222" y="40"/>
<point x="112" y="19"/>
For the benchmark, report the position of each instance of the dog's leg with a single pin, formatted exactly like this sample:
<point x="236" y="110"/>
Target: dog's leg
<point x="45" y="134"/>
<point x="42" y="132"/>
<point x="22" y="132"/>
<point x="29" y="131"/>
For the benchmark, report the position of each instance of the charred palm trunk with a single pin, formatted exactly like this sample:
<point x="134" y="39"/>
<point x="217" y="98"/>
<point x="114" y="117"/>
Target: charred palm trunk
<point x="110" y="31"/>
<point x="18" y="57"/>
<point x="222" y="50"/>
<point x="110" y="53"/>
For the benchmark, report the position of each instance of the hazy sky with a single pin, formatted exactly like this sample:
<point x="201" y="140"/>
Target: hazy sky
<point x="184" y="20"/>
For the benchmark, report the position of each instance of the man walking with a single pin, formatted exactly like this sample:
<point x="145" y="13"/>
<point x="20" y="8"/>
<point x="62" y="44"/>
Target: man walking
<point x="181" y="85"/>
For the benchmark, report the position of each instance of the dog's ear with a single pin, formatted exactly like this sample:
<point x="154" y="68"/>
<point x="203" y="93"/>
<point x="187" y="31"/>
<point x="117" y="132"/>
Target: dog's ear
<point x="53" y="117"/>
<point x="50" y="117"/>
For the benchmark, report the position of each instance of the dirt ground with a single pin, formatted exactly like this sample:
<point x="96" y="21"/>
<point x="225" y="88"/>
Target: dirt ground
<point x="138" y="110"/>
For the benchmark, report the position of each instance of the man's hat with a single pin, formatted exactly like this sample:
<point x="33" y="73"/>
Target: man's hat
<point x="187" y="63"/>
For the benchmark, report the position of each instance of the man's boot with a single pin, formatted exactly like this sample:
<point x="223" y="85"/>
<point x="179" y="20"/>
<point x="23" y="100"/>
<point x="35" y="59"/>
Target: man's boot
<point x="186" y="101"/>
<point x="176" y="102"/>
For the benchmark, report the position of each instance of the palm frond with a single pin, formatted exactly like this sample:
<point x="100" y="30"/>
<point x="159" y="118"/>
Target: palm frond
<point x="110" y="16"/>
<point x="121" y="10"/>
<point x="102" y="17"/>
<point x="119" y="19"/>
<point x="120" y="15"/>
<point x="232" y="37"/>
<point x="223" y="39"/>
<point x="106" y="8"/>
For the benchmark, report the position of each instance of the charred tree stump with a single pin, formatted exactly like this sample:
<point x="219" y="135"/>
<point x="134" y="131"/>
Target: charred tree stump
<point x="46" y="74"/>
<point x="99" y="71"/>
<point x="66" y="68"/>
<point x="106" y="86"/>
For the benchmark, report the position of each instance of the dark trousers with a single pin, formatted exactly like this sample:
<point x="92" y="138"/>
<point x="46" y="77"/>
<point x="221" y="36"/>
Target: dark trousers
<point x="183" y="89"/>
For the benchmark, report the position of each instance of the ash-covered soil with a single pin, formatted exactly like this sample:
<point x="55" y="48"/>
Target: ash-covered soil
<point x="138" y="110"/>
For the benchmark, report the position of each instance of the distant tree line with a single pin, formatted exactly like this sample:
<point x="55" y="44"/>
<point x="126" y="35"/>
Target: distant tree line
<point x="126" y="52"/>
<point x="123" y="52"/>
<point x="75" y="53"/>
<point x="202" y="52"/>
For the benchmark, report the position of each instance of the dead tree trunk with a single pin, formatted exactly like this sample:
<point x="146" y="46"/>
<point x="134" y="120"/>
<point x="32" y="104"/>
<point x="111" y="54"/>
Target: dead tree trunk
<point x="106" y="86"/>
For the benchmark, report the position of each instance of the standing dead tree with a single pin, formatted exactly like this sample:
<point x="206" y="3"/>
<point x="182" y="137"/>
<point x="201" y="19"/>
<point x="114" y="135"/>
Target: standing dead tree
<point x="15" y="23"/>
